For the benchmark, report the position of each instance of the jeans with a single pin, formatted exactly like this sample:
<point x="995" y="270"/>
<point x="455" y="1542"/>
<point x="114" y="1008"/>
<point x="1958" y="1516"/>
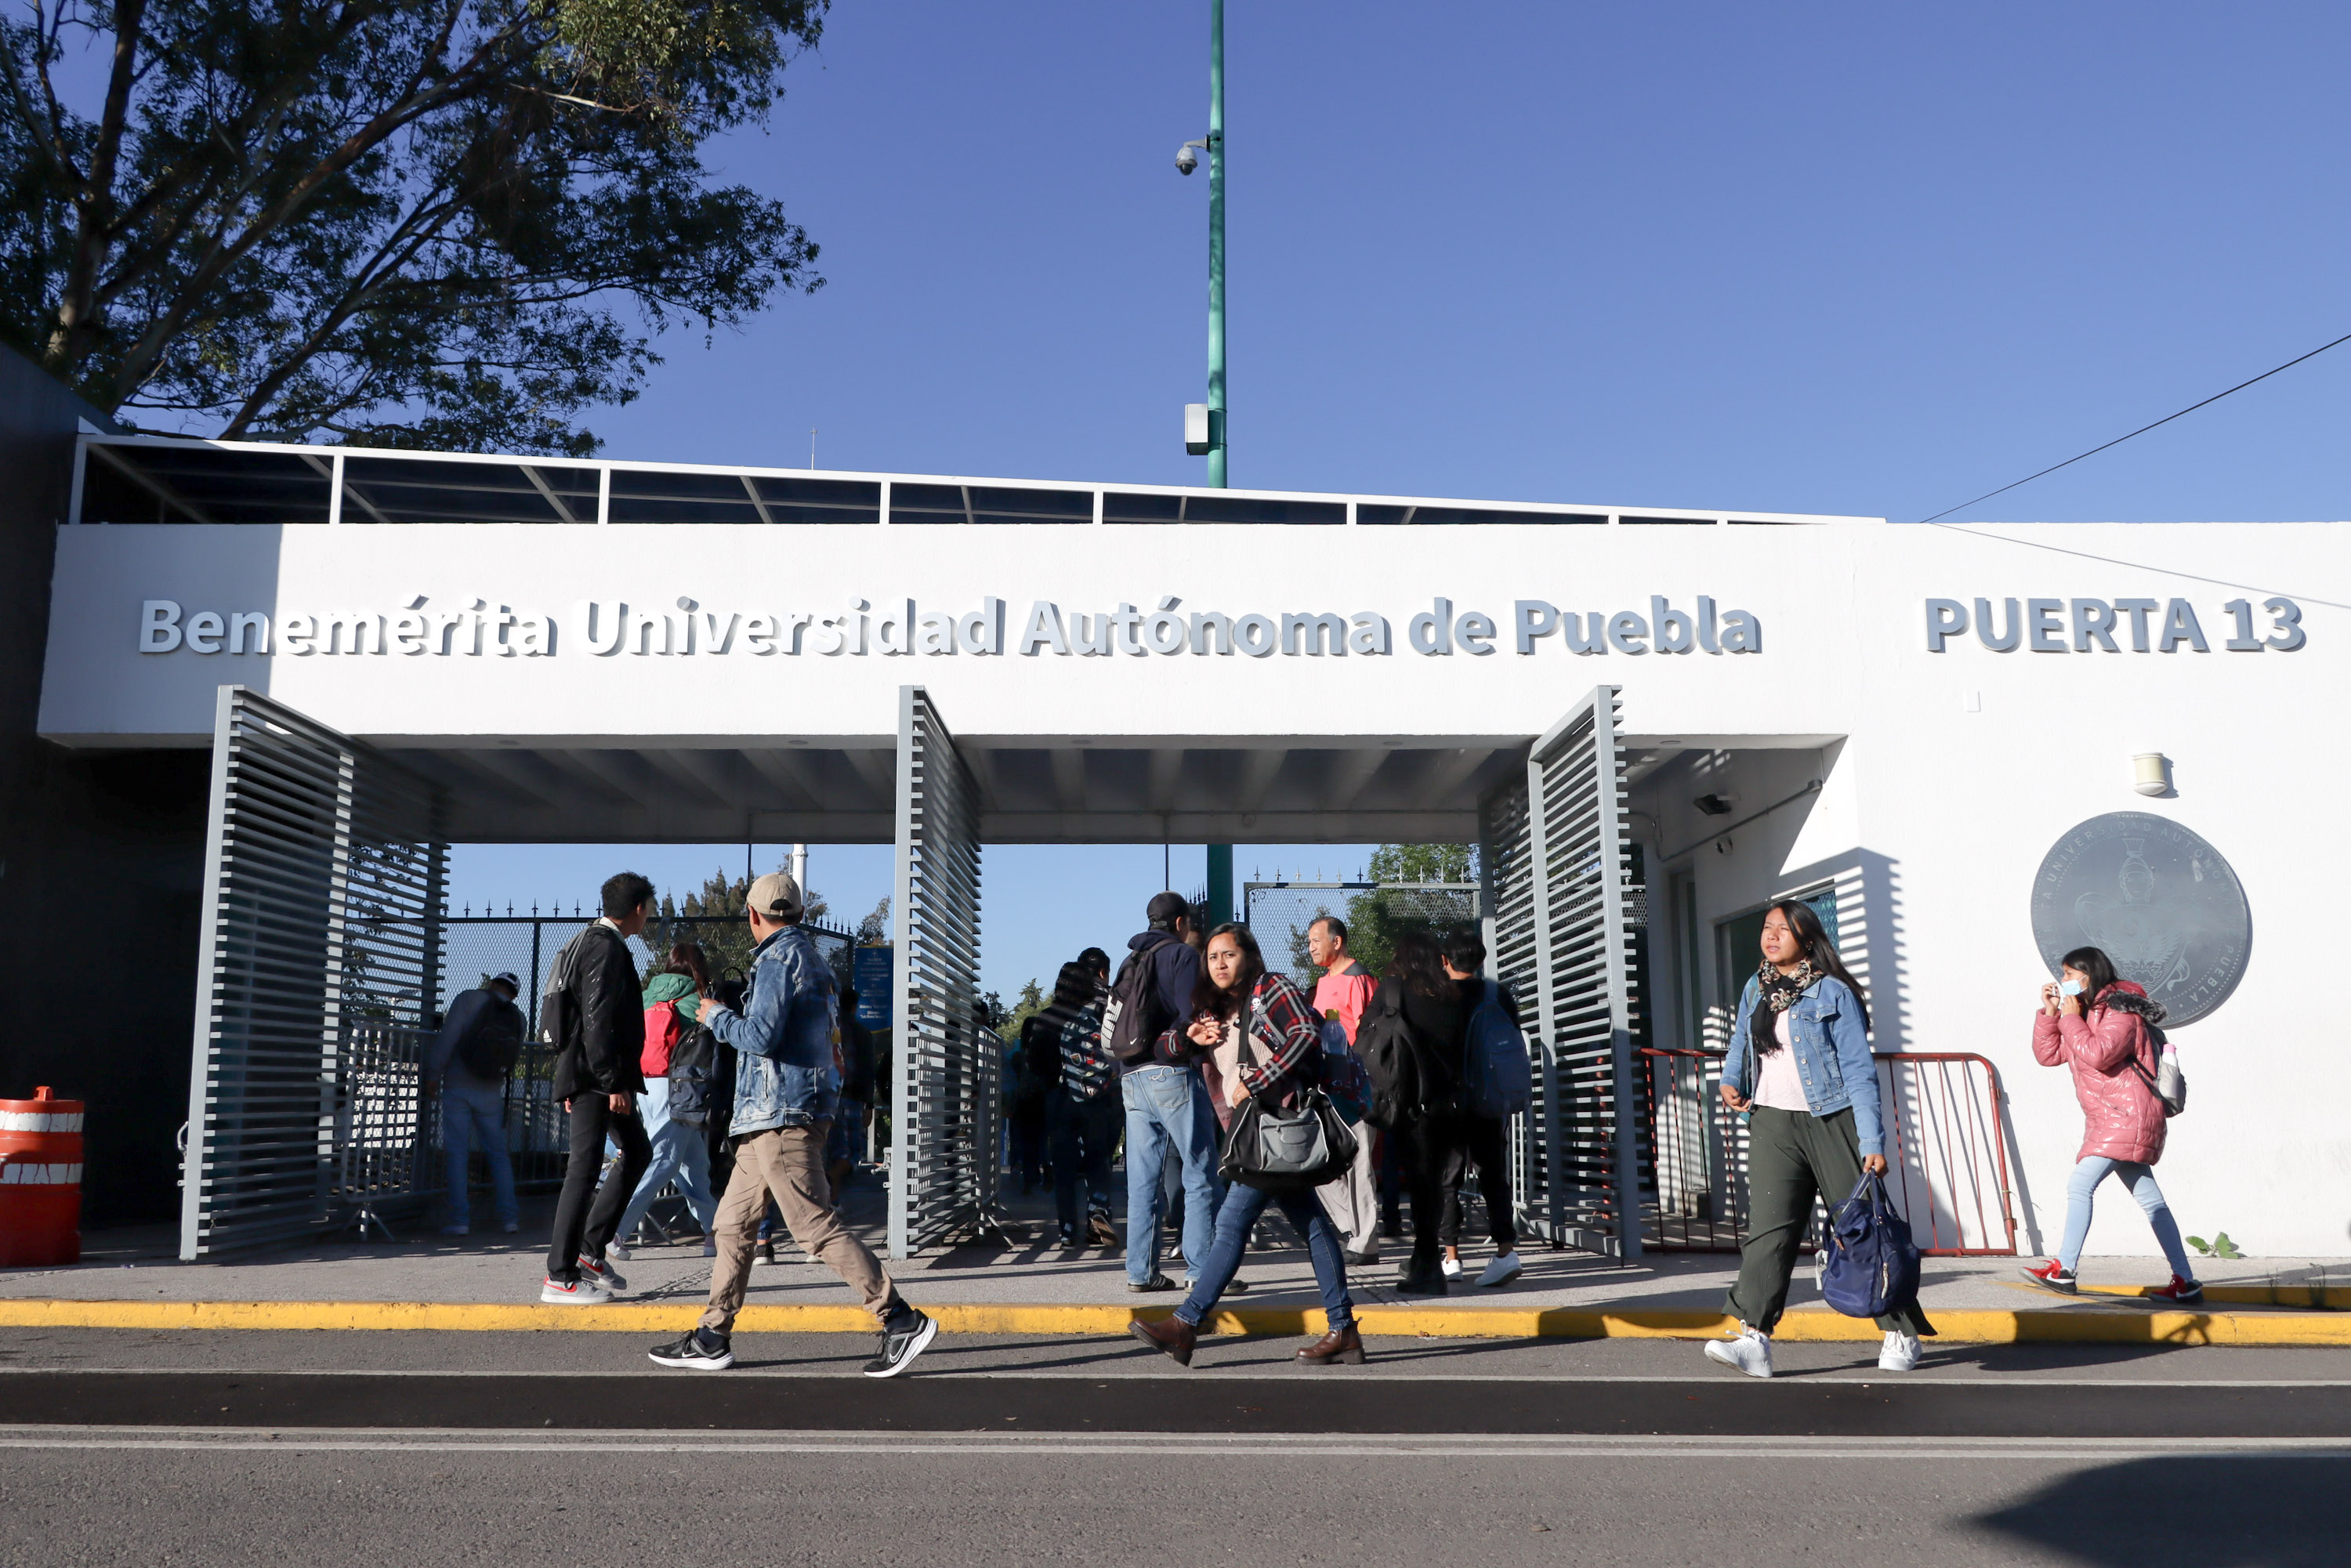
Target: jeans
<point x="848" y="1140"/>
<point x="681" y="1152"/>
<point x="582" y="1227"/>
<point x="1083" y="1133"/>
<point x="1026" y="1126"/>
<point x="475" y="1112"/>
<point x="1242" y="1206"/>
<point x="2140" y="1180"/>
<point x="1169" y="1106"/>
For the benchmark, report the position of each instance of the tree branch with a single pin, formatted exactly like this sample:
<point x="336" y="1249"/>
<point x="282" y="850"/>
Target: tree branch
<point x="94" y="201"/>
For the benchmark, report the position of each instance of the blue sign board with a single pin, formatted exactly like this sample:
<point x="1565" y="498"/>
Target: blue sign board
<point x="869" y="972"/>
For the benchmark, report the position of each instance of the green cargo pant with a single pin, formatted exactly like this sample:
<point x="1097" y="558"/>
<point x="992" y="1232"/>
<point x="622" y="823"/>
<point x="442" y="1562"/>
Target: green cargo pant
<point x="1792" y="1157"/>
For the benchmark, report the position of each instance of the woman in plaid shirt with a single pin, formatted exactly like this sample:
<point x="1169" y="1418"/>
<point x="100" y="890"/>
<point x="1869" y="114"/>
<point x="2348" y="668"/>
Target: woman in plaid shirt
<point x="1267" y="1042"/>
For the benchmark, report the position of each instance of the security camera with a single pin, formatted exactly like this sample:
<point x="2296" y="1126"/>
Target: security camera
<point x="1185" y="158"/>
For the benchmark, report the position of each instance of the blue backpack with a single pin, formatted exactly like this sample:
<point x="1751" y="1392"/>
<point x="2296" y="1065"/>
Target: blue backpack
<point x="1500" y="1082"/>
<point x="1873" y="1267"/>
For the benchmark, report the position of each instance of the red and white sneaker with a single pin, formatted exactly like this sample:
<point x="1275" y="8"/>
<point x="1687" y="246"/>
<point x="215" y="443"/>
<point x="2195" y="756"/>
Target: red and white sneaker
<point x="2052" y="1275"/>
<point x="2180" y="1292"/>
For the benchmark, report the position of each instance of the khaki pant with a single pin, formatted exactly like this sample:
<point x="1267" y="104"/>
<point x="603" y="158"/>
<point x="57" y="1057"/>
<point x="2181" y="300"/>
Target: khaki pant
<point x="790" y="1163"/>
<point x="1352" y="1201"/>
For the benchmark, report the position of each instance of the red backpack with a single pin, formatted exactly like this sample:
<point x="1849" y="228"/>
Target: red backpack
<point x="662" y="1028"/>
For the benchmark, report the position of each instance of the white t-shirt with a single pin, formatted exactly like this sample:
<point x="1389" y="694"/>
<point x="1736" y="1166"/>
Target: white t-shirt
<point x="1778" y="1082"/>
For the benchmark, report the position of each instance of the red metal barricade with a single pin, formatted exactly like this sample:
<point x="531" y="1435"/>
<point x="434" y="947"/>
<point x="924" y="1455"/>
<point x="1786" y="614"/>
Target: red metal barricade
<point x="1945" y="1149"/>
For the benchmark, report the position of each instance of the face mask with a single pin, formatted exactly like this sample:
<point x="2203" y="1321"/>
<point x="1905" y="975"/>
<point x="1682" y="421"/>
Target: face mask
<point x="2070" y="989"/>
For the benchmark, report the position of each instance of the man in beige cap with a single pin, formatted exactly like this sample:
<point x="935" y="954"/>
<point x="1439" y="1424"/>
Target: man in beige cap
<point x="787" y="1045"/>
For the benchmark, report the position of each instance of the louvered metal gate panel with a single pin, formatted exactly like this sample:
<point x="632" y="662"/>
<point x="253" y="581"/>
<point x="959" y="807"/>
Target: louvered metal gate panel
<point x="1506" y="865"/>
<point x="1557" y="846"/>
<point x="944" y="1098"/>
<point x="315" y="964"/>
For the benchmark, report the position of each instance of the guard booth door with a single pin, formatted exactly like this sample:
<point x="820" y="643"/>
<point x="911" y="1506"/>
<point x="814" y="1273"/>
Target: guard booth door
<point x="1556" y="867"/>
<point x="318" y="958"/>
<point x="945" y="1115"/>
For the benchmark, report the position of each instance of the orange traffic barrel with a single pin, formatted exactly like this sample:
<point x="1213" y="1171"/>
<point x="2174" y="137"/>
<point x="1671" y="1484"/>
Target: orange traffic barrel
<point x="40" y="1181"/>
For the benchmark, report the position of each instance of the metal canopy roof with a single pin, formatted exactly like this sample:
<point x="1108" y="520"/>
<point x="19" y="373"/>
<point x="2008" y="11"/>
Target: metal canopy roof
<point x="168" y="479"/>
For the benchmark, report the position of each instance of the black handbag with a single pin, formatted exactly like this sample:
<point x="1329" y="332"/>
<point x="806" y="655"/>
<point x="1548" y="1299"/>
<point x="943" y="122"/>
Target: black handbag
<point x="1288" y="1151"/>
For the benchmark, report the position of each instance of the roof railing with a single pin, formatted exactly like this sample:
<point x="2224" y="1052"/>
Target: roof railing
<point x="178" y="479"/>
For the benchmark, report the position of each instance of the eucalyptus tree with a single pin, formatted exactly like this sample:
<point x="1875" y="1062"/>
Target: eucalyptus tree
<point x="451" y="224"/>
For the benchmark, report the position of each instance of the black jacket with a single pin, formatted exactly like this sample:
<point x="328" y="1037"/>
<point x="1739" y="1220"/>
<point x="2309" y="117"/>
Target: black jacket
<point x="1175" y="975"/>
<point x="604" y="1027"/>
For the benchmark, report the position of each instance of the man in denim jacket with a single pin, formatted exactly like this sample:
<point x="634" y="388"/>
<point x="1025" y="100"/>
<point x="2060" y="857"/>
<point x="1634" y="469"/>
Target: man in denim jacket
<point x="787" y="1089"/>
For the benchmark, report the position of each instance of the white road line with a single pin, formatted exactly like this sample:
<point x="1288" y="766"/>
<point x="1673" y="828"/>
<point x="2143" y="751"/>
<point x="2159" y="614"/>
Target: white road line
<point x="1206" y="1445"/>
<point x="1209" y="1375"/>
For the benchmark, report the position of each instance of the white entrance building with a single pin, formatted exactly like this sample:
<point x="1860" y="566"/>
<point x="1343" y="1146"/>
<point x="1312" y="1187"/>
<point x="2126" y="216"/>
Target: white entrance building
<point x="1654" y="722"/>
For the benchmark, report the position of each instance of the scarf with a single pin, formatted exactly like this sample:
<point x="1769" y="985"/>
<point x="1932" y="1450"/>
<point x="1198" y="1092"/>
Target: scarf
<point x="1780" y="993"/>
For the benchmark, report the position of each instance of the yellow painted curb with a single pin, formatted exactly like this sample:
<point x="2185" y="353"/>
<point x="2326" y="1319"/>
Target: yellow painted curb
<point x="2076" y="1324"/>
<point x="2329" y="1298"/>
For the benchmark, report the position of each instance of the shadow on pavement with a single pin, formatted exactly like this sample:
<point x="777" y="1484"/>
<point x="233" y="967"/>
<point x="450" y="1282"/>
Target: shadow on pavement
<point x="2215" y="1510"/>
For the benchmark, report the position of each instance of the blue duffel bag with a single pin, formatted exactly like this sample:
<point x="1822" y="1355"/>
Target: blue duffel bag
<point x="1872" y="1267"/>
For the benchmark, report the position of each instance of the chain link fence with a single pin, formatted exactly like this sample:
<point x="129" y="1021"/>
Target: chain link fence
<point x="476" y="947"/>
<point x="1375" y="912"/>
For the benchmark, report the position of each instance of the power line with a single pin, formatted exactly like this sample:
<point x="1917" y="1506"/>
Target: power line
<point x="2142" y="429"/>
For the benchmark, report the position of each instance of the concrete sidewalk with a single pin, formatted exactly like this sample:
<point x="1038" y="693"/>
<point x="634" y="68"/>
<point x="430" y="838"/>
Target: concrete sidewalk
<point x="132" y="1280"/>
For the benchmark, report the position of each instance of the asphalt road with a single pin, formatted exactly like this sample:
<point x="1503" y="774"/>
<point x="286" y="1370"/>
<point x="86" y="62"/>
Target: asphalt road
<point x="115" y="1449"/>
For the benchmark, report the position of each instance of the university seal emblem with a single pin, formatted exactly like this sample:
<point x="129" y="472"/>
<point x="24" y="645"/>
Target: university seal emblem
<point x="2158" y="899"/>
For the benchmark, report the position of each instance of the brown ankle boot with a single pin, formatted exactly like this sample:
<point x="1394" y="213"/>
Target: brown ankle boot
<point x="1175" y="1336"/>
<point x="1339" y="1344"/>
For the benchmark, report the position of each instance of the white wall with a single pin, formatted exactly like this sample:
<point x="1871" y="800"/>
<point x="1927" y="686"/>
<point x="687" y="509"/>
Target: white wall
<point x="1962" y="805"/>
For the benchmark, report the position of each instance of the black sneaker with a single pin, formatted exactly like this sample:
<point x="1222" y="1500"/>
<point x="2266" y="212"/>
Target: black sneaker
<point x="1157" y="1283"/>
<point x="701" y="1350"/>
<point x="904" y="1336"/>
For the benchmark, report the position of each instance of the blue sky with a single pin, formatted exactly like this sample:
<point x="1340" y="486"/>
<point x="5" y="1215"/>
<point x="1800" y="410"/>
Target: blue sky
<point x="1834" y="258"/>
<point x="1866" y="259"/>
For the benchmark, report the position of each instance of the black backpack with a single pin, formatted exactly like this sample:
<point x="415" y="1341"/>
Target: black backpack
<point x="1384" y="1041"/>
<point x="1134" y="1017"/>
<point x="693" y="1063"/>
<point x="494" y="1044"/>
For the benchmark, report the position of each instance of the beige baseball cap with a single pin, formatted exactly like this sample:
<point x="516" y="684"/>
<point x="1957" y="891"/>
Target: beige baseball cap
<point x="776" y="897"/>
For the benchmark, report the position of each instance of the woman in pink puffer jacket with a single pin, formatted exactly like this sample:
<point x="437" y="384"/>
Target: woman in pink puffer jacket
<point x="2099" y="1026"/>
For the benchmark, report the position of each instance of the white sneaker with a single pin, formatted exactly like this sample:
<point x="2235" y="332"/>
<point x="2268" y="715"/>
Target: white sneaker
<point x="1501" y="1272"/>
<point x="1901" y="1352"/>
<point x="1747" y="1351"/>
<point x="1450" y="1268"/>
<point x="573" y="1293"/>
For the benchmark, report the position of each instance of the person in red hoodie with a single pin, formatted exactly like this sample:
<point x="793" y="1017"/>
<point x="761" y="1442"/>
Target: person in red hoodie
<point x="2098" y="1026"/>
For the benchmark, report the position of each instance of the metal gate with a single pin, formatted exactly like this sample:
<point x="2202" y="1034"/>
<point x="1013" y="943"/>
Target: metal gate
<point x="315" y="964"/>
<point x="1556" y="869"/>
<point x="944" y="1106"/>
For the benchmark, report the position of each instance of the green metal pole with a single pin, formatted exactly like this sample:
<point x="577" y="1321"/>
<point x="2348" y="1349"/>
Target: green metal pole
<point x="1217" y="243"/>
<point x="1220" y="856"/>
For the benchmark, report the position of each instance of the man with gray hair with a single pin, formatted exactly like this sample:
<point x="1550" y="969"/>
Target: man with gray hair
<point x="787" y="1042"/>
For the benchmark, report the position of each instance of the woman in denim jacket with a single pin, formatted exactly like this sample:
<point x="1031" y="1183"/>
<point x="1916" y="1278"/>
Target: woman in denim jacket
<point x="1799" y="1072"/>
